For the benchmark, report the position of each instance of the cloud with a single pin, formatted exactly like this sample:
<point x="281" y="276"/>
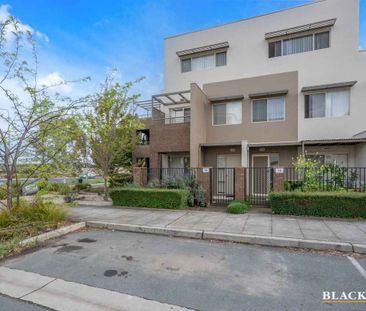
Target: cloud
<point x="55" y="81"/>
<point x="5" y="14"/>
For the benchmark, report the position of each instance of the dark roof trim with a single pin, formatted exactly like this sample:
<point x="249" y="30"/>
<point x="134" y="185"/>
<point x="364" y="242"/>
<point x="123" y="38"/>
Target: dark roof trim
<point x="298" y="29"/>
<point x="206" y="48"/>
<point x="225" y="98"/>
<point x="328" y="86"/>
<point x="221" y="144"/>
<point x="268" y="94"/>
<point x="334" y="141"/>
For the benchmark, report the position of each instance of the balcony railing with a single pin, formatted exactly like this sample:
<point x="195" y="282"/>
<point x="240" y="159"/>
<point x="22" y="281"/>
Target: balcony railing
<point x="175" y="120"/>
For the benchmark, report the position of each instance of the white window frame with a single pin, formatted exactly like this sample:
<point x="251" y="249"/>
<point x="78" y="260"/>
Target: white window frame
<point x="266" y="98"/>
<point x="226" y="103"/>
<point x="299" y="36"/>
<point x="328" y="105"/>
<point x="203" y="55"/>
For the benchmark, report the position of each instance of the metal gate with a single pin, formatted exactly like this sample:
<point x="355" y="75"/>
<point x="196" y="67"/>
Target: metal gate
<point x="222" y="185"/>
<point x="260" y="184"/>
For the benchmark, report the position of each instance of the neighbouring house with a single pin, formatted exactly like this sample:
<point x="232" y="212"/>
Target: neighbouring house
<point x="259" y="91"/>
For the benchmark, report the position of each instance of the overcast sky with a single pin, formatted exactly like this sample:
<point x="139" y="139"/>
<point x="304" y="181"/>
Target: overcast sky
<point x="85" y="38"/>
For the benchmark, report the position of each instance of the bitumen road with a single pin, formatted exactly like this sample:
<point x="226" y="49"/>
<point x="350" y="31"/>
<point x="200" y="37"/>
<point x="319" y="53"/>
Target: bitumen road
<point x="196" y="274"/>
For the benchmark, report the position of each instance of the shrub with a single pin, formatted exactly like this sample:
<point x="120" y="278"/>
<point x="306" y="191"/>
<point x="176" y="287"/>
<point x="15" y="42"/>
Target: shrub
<point x="148" y="197"/>
<point x="327" y="204"/>
<point x="63" y="189"/>
<point x="196" y="191"/>
<point x="120" y="179"/>
<point x="237" y="207"/>
<point x="81" y="187"/>
<point x="42" y="185"/>
<point x="2" y="193"/>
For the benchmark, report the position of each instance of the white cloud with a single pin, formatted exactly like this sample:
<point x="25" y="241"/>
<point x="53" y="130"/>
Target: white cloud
<point x="5" y="14"/>
<point x="56" y="80"/>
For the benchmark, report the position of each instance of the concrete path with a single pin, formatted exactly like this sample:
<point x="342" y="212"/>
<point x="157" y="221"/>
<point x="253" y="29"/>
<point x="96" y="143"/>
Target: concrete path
<point x="351" y="232"/>
<point x="61" y="295"/>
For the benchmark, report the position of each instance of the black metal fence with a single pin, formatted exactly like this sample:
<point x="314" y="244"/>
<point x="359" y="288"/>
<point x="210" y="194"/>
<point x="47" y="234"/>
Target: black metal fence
<point x="166" y="175"/>
<point x="325" y="179"/>
<point x="260" y="181"/>
<point x="222" y="185"/>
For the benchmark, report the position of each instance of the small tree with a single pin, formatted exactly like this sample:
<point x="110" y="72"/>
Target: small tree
<point x="309" y="171"/>
<point x="34" y="111"/>
<point x="110" y="125"/>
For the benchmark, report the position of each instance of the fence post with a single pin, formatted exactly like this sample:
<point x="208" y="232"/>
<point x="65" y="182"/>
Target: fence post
<point x="278" y="180"/>
<point x="240" y="182"/>
<point x="140" y="176"/>
<point x="204" y="178"/>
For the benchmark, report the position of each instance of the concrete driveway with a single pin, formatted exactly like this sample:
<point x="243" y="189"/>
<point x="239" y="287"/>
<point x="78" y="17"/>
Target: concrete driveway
<point x="197" y="274"/>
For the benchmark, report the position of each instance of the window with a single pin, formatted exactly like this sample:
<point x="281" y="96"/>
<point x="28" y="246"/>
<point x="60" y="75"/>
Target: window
<point x="143" y="137"/>
<point x="203" y="62"/>
<point x="315" y="41"/>
<point x="330" y="104"/>
<point x="275" y="49"/>
<point x="321" y="40"/>
<point x="269" y="109"/>
<point x="221" y="59"/>
<point x="226" y="113"/>
<point x="186" y="65"/>
<point x="180" y="115"/>
<point x="298" y="45"/>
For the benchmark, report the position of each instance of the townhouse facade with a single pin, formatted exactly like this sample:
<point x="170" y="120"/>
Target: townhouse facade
<point x="260" y="91"/>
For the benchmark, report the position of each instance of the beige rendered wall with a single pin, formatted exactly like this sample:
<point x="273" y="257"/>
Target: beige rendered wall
<point x="254" y="132"/>
<point x="360" y="155"/>
<point x="247" y="56"/>
<point x="199" y="104"/>
<point x="209" y="157"/>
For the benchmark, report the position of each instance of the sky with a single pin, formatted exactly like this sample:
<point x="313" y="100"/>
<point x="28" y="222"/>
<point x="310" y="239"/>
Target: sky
<point x="88" y="38"/>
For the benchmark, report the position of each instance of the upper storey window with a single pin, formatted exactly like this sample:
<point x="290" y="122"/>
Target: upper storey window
<point x="299" y="39"/>
<point x="301" y="44"/>
<point x="203" y="62"/>
<point x="204" y="57"/>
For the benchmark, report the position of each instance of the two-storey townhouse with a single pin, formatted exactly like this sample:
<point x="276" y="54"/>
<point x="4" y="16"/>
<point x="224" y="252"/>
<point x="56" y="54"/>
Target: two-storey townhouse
<point x="259" y="91"/>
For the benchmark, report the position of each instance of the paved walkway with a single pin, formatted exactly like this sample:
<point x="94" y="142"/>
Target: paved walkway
<point x="351" y="231"/>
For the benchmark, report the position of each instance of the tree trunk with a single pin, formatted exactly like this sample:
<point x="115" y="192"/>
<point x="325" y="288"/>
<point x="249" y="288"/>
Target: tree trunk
<point x="9" y="193"/>
<point x="105" y="188"/>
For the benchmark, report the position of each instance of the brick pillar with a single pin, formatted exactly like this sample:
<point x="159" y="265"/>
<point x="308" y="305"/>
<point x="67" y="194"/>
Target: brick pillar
<point x="240" y="183"/>
<point x="204" y="178"/>
<point x="140" y="176"/>
<point x="278" y="181"/>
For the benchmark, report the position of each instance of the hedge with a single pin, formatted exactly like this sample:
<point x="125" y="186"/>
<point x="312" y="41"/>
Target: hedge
<point x="148" y="197"/>
<point x="327" y="204"/>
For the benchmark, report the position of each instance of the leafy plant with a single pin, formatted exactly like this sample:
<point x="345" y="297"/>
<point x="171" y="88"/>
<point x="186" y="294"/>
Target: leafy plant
<point x="237" y="207"/>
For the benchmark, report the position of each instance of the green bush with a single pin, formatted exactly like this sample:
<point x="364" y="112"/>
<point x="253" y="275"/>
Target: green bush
<point x="63" y="189"/>
<point x="149" y="197"/>
<point x="196" y="191"/>
<point x="2" y="193"/>
<point x="237" y="207"/>
<point x="81" y="187"/>
<point x="120" y="179"/>
<point x="327" y="204"/>
<point x="42" y="185"/>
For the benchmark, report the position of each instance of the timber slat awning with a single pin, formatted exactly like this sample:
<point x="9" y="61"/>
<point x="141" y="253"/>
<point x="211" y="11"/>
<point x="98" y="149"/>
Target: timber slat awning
<point x="268" y="94"/>
<point x="206" y="48"/>
<point x="299" y="29"/>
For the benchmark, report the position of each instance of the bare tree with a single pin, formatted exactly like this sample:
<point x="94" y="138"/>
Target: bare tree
<point x="35" y="110"/>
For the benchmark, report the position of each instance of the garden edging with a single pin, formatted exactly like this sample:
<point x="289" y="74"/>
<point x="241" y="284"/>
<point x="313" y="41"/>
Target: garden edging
<point x="53" y="234"/>
<point x="232" y="237"/>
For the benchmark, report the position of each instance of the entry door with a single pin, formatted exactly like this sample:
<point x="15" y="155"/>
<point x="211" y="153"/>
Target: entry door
<point x="260" y="175"/>
<point x="225" y="173"/>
